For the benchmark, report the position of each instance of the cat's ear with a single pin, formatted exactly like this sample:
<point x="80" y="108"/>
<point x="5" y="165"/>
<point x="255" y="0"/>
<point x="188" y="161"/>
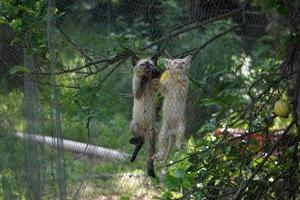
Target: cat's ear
<point x="134" y="60"/>
<point x="167" y="63"/>
<point x="187" y="59"/>
<point x="154" y="59"/>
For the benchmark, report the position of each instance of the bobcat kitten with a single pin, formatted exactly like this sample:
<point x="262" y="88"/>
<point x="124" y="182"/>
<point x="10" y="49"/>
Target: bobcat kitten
<point x="144" y="84"/>
<point x="174" y="87"/>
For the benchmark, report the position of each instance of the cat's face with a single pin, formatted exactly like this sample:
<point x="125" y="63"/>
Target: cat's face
<point x="178" y="65"/>
<point x="144" y="67"/>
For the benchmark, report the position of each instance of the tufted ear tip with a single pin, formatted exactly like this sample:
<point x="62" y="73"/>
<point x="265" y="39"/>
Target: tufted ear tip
<point x="154" y="58"/>
<point x="188" y="58"/>
<point x="134" y="60"/>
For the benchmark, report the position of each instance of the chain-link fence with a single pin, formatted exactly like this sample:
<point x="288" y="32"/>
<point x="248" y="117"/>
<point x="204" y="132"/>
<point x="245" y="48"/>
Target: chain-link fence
<point x="66" y="98"/>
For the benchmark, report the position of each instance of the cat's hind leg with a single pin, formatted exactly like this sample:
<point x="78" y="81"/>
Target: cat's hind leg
<point x="162" y="142"/>
<point x="151" y="152"/>
<point x="180" y="130"/>
<point x="137" y="139"/>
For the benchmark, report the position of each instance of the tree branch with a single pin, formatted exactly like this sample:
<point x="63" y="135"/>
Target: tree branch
<point x="246" y="183"/>
<point x="189" y="27"/>
<point x="218" y="145"/>
<point x="198" y="49"/>
<point x="73" y="43"/>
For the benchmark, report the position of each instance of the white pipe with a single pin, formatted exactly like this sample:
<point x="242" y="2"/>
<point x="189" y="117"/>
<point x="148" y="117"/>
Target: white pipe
<point x="74" y="146"/>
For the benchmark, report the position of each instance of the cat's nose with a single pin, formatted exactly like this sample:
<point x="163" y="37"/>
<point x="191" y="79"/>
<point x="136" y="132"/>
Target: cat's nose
<point x="180" y="66"/>
<point x="149" y="64"/>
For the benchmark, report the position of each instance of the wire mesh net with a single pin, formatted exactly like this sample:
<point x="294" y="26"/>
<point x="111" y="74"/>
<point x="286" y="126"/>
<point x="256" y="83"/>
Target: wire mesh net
<point x="64" y="117"/>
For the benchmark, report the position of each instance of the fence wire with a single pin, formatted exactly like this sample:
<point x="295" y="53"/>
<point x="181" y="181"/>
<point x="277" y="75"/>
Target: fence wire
<point x="85" y="83"/>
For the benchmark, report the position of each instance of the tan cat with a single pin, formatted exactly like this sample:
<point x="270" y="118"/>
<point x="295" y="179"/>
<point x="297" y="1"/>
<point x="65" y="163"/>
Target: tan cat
<point x="145" y="83"/>
<point x="174" y="87"/>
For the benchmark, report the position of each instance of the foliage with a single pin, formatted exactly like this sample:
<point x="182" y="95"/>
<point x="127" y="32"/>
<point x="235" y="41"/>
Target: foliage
<point x="234" y="84"/>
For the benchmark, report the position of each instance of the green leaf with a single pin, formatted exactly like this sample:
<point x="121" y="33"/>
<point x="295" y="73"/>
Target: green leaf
<point x="257" y="162"/>
<point x="208" y="102"/>
<point x="130" y="36"/>
<point x="155" y="181"/>
<point x="26" y="9"/>
<point x="161" y="63"/>
<point x="228" y="149"/>
<point x="166" y="196"/>
<point x="19" y="69"/>
<point x="31" y="51"/>
<point x="16" y="40"/>
<point x="16" y="24"/>
<point x="3" y="20"/>
<point x="127" y="197"/>
<point x="53" y="10"/>
<point x="172" y="182"/>
<point x="191" y="143"/>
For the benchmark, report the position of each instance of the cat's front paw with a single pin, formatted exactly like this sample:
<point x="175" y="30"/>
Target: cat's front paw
<point x="155" y="84"/>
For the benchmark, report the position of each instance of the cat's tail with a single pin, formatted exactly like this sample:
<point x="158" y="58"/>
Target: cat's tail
<point x="138" y="142"/>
